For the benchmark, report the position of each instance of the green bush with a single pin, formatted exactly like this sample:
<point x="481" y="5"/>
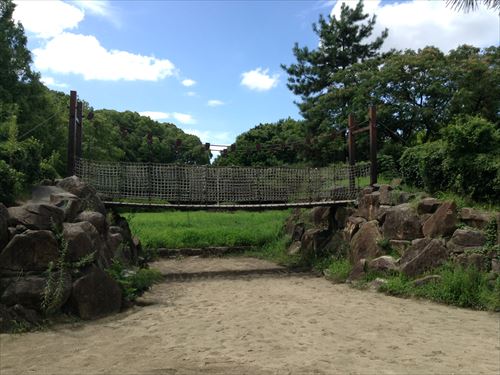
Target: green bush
<point x="11" y="183"/>
<point x="133" y="281"/>
<point x="465" y="161"/>
<point x="387" y="166"/>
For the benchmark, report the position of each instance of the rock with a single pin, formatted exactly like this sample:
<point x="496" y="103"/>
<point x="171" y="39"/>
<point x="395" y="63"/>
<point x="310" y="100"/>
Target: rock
<point x="42" y="193"/>
<point x="298" y="231"/>
<point x="36" y="216"/>
<point x="95" y="295"/>
<point x="82" y="239"/>
<point x="32" y="250"/>
<point x="377" y="283"/>
<point x="385" y="197"/>
<point x="402" y="223"/>
<point x="291" y="221"/>
<point x="396" y="182"/>
<point x="87" y="194"/>
<point x="358" y="271"/>
<point x="368" y="206"/>
<point x="382" y="210"/>
<point x="383" y="264"/>
<point x="342" y="213"/>
<point x="127" y="235"/>
<point x="443" y="222"/>
<point x="29" y="290"/>
<point x="423" y="255"/>
<point x="97" y="219"/>
<point x="475" y="218"/>
<point x="15" y="317"/>
<point x="466" y="239"/>
<point x="70" y="203"/>
<point x="428" y="206"/>
<point x="426" y="280"/>
<point x="320" y="217"/>
<point x="364" y="244"/>
<point x="400" y="245"/>
<point x="294" y="248"/>
<point x="478" y="261"/>
<point x="314" y="241"/>
<point x="424" y="218"/>
<point x="352" y="227"/>
<point x="4" y="226"/>
<point x="367" y="190"/>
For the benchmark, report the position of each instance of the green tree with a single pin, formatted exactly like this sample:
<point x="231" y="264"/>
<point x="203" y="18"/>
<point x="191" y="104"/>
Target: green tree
<point x="323" y="77"/>
<point x="472" y="5"/>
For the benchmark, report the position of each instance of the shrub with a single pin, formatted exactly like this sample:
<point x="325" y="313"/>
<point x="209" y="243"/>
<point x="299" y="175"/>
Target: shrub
<point x="11" y="183"/>
<point x="339" y="269"/>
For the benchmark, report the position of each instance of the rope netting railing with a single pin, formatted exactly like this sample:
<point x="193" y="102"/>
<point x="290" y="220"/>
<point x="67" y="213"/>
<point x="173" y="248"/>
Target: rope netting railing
<point x="211" y="185"/>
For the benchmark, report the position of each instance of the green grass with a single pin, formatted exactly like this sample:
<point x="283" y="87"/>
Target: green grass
<point x="339" y="270"/>
<point x="276" y="251"/>
<point x="463" y="287"/>
<point x="179" y="229"/>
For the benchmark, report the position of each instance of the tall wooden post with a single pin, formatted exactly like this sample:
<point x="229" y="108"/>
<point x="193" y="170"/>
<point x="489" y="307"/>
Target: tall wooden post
<point x="79" y="129"/>
<point x="71" y="134"/>
<point x="352" y="155"/>
<point x="372" y="114"/>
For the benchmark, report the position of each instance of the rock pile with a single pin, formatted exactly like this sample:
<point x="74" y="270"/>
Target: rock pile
<point x="65" y="228"/>
<point x="420" y="234"/>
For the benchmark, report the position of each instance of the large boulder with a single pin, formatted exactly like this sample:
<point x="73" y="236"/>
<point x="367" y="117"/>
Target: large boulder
<point x="383" y="264"/>
<point x="36" y="216"/>
<point x="88" y="195"/>
<point x="294" y="248"/>
<point x="342" y="213"/>
<point x="82" y="239"/>
<point x="70" y="203"/>
<point x="402" y="223"/>
<point x="400" y="245"/>
<point x="358" y="271"/>
<point x="466" y="239"/>
<point x="474" y="218"/>
<point x="428" y="206"/>
<point x="11" y="317"/>
<point x="475" y="260"/>
<point x="352" y="227"/>
<point x="95" y="294"/>
<point x="423" y="255"/>
<point x="121" y="222"/>
<point x="4" y="226"/>
<point x="29" y="291"/>
<point x="31" y="250"/>
<point x="364" y="244"/>
<point x="298" y="231"/>
<point x="368" y="205"/>
<point x="443" y="222"/>
<point x="97" y="219"/>
<point x="314" y="241"/>
<point x="320" y="217"/>
<point x="385" y="194"/>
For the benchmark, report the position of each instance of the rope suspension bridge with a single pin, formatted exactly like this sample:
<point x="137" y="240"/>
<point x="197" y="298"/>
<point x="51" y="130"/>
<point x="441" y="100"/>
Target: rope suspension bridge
<point x="204" y="186"/>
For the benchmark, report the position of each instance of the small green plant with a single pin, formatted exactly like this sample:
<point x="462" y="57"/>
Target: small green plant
<point x="133" y="281"/>
<point x="339" y="270"/>
<point x="385" y="245"/>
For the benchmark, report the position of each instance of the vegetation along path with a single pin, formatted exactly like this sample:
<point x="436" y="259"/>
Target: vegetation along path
<point x="223" y="322"/>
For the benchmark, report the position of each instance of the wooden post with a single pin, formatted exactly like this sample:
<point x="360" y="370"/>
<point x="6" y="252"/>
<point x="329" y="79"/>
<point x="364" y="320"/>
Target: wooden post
<point x="372" y="114"/>
<point x="71" y="134"/>
<point x="352" y="152"/>
<point x="79" y="128"/>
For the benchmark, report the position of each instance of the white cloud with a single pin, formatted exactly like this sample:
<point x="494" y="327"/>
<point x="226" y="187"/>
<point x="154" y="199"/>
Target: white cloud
<point x="47" y="19"/>
<point x="212" y="137"/>
<point x="259" y="79"/>
<point x="50" y="81"/>
<point x="215" y="103"/>
<point x="155" y="115"/>
<point x="95" y="62"/>
<point x="183" y="118"/>
<point x="188" y="82"/>
<point x="191" y="93"/>
<point x="418" y="23"/>
<point x="99" y="7"/>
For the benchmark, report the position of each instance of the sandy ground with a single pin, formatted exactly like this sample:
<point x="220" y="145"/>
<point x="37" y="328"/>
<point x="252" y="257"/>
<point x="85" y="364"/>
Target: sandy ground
<point x="262" y="324"/>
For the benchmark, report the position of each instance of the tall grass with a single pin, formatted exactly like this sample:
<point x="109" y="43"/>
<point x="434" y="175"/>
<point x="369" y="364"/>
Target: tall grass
<point x="180" y="229"/>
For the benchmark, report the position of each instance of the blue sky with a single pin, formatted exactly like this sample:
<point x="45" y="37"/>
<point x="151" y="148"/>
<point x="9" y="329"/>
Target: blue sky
<point x="210" y="67"/>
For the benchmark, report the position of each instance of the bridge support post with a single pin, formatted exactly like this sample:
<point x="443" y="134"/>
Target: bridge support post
<point x="352" y="154"/>
<point x="71" y="134"/>
<point x="372" y="114"/>
<point x="79" y="128"/>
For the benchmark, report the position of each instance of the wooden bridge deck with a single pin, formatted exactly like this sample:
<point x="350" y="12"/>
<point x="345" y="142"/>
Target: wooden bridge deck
<point x="231" y="206"/>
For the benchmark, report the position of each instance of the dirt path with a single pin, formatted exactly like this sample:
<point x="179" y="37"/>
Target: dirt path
<point x="262" y="324"/>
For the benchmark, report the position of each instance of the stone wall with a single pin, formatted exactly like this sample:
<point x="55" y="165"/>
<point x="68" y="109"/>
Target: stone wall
<point x="64" y="227"/>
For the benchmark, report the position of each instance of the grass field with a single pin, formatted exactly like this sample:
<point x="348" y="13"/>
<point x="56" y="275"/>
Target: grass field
<point x="178" y="229"/>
